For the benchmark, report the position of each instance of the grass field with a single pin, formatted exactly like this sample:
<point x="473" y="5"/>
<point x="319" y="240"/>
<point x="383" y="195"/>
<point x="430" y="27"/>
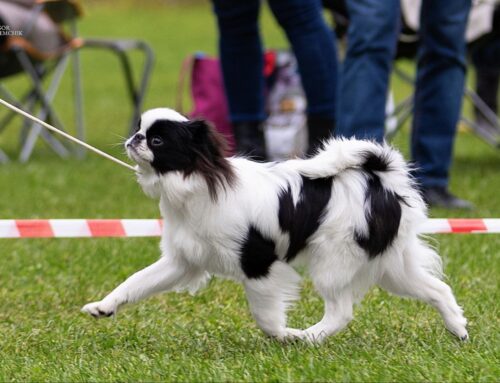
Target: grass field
<point x="209" y="337"/>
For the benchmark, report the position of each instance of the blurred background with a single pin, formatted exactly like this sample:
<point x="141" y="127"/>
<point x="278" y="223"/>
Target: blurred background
<point x="176" y="30"/>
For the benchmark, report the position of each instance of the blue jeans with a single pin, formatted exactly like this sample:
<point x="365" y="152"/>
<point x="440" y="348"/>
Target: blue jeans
<point x="240" y="49"/>
<point x="364" y="81"/>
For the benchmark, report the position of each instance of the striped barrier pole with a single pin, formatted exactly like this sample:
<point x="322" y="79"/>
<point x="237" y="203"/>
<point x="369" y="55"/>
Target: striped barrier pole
<point x="86" y="228"/>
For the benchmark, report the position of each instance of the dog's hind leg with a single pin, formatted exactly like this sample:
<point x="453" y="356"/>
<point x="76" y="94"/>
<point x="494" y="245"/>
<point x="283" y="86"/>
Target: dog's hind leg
<point x="164" y="274"/>
<point x="416" y="279"/>
<point x="341" y="278"/>
<point x="270" y="296"/>
<point x="338" y="313"/>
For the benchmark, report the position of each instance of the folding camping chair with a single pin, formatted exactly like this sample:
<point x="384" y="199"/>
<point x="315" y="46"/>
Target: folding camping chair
<point x="44" y="55"/>
<point x="40" y="48"/>
<point x="403" y="110"/>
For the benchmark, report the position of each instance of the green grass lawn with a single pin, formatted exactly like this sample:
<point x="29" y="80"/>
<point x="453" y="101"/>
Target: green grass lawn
<point x="209" y="337"/>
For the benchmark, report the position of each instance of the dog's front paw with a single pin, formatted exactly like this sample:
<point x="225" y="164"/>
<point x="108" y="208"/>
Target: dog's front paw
<point x="458" y="326"/>
<point x="99" y="309"/>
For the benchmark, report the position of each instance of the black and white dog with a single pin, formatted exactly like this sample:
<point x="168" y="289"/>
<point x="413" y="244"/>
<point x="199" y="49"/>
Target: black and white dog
<point x="350" y="213"/>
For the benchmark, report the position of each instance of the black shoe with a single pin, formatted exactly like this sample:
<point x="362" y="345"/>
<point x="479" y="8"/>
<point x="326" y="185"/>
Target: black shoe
<point x="249" y="137"/>
<point x="319" y="129"/>
<point x="436" y="196"/>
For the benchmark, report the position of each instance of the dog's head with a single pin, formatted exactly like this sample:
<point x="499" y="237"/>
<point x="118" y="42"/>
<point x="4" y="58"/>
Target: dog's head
<point x="165" y="141"/>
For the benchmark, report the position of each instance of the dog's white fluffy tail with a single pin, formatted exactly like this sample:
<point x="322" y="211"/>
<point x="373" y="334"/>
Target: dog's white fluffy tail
<point x="339" y="154"/>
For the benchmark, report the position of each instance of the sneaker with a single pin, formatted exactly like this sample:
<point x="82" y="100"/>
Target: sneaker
<point x="436" y="196"/>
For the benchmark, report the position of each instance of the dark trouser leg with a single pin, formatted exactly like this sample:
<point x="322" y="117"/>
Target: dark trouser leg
<point x="364" y="80"/>
<point x="315" y="49"/>
<point x="439" y="88"/>
<point x="240" y="52"/>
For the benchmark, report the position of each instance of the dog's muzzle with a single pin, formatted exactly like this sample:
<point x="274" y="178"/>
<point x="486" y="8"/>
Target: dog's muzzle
<point x="136" y="140"/>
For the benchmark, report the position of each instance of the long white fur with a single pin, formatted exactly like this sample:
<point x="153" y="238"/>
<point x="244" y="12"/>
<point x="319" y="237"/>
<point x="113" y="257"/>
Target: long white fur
<point x="202" y="238"/>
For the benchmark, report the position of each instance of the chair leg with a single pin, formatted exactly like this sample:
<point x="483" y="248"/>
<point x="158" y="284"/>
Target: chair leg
<point x="3" y="157"/>
<point x="491" y="136"/>
<point x="78" y="94"/>
<point x="28" y="102"/>
<point x="402" y="112"/>
<point x="489" y="133"/>
<point x="482" y="108"/>
<point x="13" y="100"/>
<point x="46" y="109"/>
<point x="137" y="92"/>
<point x="29" y="105"/>
<point x="146" y="74"/>
<point x="121" y="49"/>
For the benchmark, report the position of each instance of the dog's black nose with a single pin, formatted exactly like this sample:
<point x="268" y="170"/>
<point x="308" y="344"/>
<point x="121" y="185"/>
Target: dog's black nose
<point x="139" y="137"/>
<point x="136" y="139"/>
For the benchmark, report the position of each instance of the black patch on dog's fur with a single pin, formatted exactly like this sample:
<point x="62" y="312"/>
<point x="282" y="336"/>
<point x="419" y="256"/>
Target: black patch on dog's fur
<point x="374" y="163"/>
<point x="257" y="254"/>
<point x="302" y="220"/>
<point x="385" y="210"/>
<point x="191" y="146"/>
<point x="286" y="209"/>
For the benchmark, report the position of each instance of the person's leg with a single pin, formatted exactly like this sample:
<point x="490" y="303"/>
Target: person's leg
<point x="487" y="85"/>
<point x="313" y="45"/>
<point x="241" y="57"/>
<point x="371" y="44"/>
<point x="240" y="51"/>
<point x="485" y="56"/>
<point x="439" y="89"/>
<point x="485" y="53"/>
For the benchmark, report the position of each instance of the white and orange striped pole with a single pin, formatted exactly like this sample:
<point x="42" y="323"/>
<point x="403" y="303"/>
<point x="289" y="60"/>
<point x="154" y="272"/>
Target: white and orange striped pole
<point x="88" y="228"/>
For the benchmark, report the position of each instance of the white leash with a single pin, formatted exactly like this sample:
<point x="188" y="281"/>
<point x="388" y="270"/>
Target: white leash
<point x="66" y="135"/>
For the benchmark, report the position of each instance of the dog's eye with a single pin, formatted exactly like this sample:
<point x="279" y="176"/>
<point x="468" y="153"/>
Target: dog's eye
<point x="156" y="141"/>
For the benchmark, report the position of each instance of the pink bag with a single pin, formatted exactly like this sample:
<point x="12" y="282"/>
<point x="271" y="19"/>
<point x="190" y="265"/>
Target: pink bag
<point x="285" y="127"/>
<point x="207" y="92"/>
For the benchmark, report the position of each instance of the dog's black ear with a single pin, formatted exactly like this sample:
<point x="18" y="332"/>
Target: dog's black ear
<point x="198" y="129"/>
<point x="209" y="149"/>
<point x="207" y="139"/>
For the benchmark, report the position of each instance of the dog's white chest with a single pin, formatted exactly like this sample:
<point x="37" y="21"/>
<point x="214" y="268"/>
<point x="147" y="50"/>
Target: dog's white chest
<point x="204" y="249"/>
